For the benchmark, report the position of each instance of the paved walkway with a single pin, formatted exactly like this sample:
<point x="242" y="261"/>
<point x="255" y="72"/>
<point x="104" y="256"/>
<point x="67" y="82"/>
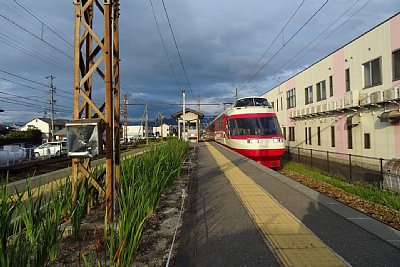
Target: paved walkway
<point x="243" y="214"/>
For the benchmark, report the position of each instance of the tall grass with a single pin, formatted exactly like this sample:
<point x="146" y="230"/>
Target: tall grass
<point x="143" y="179"/>
<point x="386" y="198"/>
<point x="29" y="227"/>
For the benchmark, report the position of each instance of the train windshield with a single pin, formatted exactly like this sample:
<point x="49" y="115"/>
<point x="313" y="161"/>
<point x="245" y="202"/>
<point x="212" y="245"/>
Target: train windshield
<point x="254" y="126"/>
<point x="248" y="102"/>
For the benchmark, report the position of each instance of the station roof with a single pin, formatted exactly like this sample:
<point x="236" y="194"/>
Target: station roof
<point x="187" y="110"/>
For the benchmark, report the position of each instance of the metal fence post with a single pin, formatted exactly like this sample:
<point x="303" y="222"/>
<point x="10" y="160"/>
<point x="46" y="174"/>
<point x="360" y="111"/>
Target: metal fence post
<point x="311" y="157"/>
<point x="327" y="160"/>
<point x="350" y="166"/>
<point x="288" y="153"/>
<point x="381" y="161"/>
<point x="298" y="154"/>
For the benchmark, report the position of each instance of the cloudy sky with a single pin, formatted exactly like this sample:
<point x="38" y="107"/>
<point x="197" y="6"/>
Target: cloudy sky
<point x="251" y="45"/>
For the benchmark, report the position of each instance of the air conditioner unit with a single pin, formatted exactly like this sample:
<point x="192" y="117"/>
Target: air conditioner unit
<point x="324" y="107"/>
<point x="375" y="97"/>
<point x="339" y="104"/>
<point x="351" y="99"/>
<point x="391" y="94"/>
<point x="365" y="99"/>
<point x="332" y="105"/>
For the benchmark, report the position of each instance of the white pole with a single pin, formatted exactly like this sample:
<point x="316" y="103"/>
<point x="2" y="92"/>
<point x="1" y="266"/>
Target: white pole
<point x="184" y="112"/>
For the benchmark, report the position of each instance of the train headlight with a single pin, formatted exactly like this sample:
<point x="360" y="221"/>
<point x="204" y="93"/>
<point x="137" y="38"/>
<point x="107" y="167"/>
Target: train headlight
<point x="253" y="141"/>
<point x="277" y="140"/>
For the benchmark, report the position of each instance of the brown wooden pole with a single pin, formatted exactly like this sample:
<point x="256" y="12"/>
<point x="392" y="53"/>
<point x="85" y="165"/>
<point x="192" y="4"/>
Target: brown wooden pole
<point x="109" y="112"/>
<point x="89" y="62"/>
<point x="117" y="133"/>
<point x="78" y="17"/>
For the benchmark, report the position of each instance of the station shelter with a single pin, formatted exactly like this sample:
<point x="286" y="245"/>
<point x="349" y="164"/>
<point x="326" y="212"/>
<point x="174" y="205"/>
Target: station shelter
<point x="188" y="124"/>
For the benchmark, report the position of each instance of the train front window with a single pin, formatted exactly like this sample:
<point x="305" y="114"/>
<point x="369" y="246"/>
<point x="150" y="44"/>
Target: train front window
<point x="254" y="126"/>
<point x="249" y="102"/>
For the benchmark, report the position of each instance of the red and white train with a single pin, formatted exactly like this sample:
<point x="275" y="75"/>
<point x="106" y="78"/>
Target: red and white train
<point x="250" y="127"/>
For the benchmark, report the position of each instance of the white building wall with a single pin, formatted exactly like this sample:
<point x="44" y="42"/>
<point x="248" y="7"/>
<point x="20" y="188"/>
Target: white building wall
<point x="44" y="127"/>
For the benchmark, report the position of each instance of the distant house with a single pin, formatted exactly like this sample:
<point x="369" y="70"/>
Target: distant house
<point x="44" y="125"/>
<point x="162" y="130"/>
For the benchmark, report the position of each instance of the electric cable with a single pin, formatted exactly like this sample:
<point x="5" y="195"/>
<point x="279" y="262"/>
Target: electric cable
<point x="43" y="23"/>
<point x="177" y="49"/>
<point x="330" y="34"/>
<point x="276" y="37"/>
<point x="288" y="41"/>
<point x="163" y="43"/>
<point x="34" y="35"/>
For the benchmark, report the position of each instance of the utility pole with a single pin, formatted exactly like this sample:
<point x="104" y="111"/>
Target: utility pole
<point x="183" y="113"/>
<point x="198" y="103"/>
<point x="236" y="94"/>
<point x="161" y="123"/>
<point x="147" y="125"/>
<point x="125" y="118"/>
<point x="52" y="102"/>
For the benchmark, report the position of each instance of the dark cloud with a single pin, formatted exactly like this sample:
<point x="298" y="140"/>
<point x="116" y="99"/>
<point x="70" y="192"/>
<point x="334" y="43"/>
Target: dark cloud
<point x="219" y="41"/>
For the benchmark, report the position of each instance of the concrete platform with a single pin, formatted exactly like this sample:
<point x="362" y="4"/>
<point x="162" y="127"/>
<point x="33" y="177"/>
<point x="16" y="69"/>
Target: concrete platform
<point x="219" y="230"/>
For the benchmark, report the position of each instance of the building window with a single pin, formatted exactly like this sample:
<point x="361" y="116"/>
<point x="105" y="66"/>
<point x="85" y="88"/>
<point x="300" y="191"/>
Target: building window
<point x="281" y="104"/>
<point x="372" y="73"/>
<point x="309" y="136"/>
<point x="272" y="104"/>
<point x="347" y="78"/>
<point x="277" y="105"/>
<point x="319" y="135"/>
<point x="284" y="132"/>
<point x="291" y="98"/>
<point x="291" y="134"/>
<point x="333" y="136"/>
<point x="367" y="141"/>
<point x="349" y="137"/>
<point x="305" y="135"/>
<point x="396" y="65"/>
<point x="321" y="90"/>
<point x="331" y="85"/>
<point x="309" y="95"/>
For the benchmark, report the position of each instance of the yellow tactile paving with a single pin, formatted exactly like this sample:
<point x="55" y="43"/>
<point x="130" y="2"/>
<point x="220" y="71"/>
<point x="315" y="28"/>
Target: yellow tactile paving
<point x="293" y="242"/>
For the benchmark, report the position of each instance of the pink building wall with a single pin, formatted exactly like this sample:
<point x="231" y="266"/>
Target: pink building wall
<point x="395" y="44"/>
<point x="339" y="85"/>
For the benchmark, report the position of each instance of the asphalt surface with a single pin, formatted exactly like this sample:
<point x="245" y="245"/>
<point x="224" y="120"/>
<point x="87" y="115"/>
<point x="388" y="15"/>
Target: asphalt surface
<point x="217" y="230"/>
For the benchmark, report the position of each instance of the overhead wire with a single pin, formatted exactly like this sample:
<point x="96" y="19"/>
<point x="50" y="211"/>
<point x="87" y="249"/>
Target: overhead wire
<point x="288" y="41"/>
<point x="35" y="54"/>
<point x="32" y="81"/>
<point x="163" y="43"/>
<point x="177" y="49"/>
<point x="277" y="36"/>
<point x="43" y="23"/>
<point x="34" y="35"/>
<point x="24" y="97"/>
<point x="27" y="104"/>
<point x="330" y="34"/>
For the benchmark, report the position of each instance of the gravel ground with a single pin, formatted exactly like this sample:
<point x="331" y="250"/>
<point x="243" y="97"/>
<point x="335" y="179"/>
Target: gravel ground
<point x="376" y="211"/>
